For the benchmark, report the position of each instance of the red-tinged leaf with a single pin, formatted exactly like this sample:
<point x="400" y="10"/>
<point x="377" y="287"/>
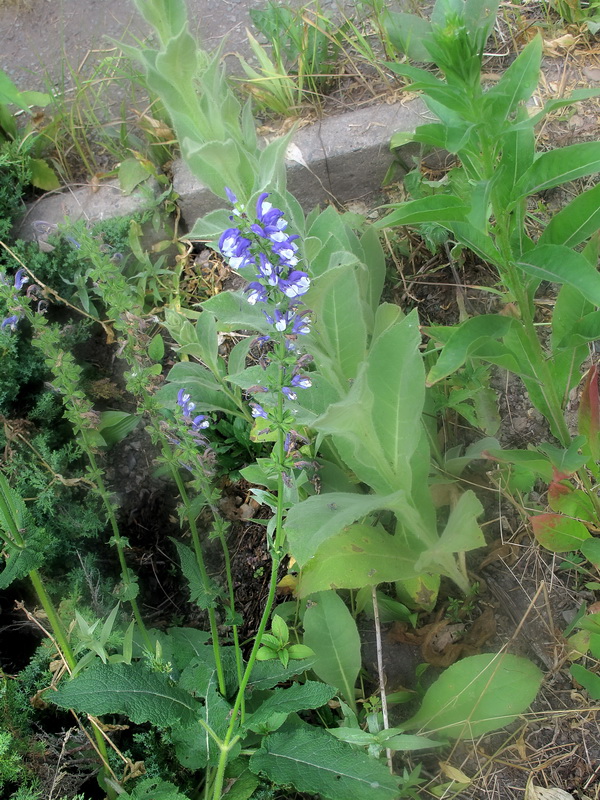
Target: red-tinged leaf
<point x="558" y="533"/>
<point x="558" y="487"/>
<point x="589" y="411"/>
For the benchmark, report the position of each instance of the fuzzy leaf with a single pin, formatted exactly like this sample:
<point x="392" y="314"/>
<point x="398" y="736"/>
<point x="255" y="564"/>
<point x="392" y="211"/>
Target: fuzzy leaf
<point x="201" y="595"/>
<point x="315" y="763"/>
<point x="361" y="555"/>
<point x="315" y="520"/>
<point x="311" y="694"/>
<point x="267" y="674"/>
<point x="131" y="690"/>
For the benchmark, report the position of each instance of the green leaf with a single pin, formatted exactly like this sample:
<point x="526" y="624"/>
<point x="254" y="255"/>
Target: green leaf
<point x="589" y="680"/>
<point x="361" y="555"/>
<point x="298" y="697"/>
<point x="341" y="325"/>
<point x="318" y="518"/>
<point x="591" y="550"/>
<point x="19" y="564"/>
<point x="405" y="742"/>
<point x="330" y="631"/>
<point x="350" y="424"/>
<point x="396" y="377"/>
<point x="187" y="644"/>
<point x="559" y="166"/>
<point x="315" y="763"/>
<point x="576" y="222"/>
<point x="204" y="390"/>
<point x="299" y="651"/>
<point x="208" y="339"/>
<point x="477" y="695"/>
<point x="116" y="425"/>
<point x="267" y="674"/>
<point x="407" y="32"/>
<point x="203" y="596"/>
<point x="128" y="689"/>
<point x="280" y="629"/>
<point x="156" y="348"/>
<point x="559" y="264"/>
<point x="465" y="340"/>
<point x="376" y="267"/>
<point x="517" y="84"/>
<point x="234" y="312"/>
<point x="131" y="173"/>
<point x="242" y="786"/>
<point x="461" y="534"/>
<point x="153" y="789"/>
<point x="42" y="175"/>
<point x="557" y="533"/>
<point x="438" y="208"/>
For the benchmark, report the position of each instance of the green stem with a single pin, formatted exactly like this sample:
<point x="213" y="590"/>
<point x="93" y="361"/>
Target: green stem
<point x="229" y="739"/>
<point x="203" y="573"/>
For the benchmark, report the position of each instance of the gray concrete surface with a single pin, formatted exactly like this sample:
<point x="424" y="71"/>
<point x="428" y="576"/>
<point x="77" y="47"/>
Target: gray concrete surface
<point x="41" y="41"/>
<point x="345" y="158"/>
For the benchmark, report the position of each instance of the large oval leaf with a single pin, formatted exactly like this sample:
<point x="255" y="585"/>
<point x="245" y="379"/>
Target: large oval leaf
<point x="362" y="555"/>
<point x="477" y="695"/>
<point x="330" y="631"/>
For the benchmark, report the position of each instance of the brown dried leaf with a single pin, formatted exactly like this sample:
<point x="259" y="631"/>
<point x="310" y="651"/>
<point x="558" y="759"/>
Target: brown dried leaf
<point x="533" y="792"/>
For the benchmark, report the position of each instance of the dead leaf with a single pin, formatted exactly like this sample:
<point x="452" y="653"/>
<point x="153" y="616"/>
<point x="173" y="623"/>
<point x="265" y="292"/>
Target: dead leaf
<point x="553" y="47"/>
<point x="293" y="153"/>
<point x="454" y="773"/>
<point x="439" y="646"/>
<point x="533" y="792"/>
<point x="592" y="73"/>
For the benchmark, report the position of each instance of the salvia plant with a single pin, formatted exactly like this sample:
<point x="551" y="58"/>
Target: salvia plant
<point x="331" y="384"/>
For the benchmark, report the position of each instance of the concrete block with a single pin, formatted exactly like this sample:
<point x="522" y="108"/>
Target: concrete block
<point x="346" y="157"/>
<point x="92" y="203"/>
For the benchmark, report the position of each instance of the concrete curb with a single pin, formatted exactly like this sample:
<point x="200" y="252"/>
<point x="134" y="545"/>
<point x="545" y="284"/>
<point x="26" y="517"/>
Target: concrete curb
<point x="345" y="157"/>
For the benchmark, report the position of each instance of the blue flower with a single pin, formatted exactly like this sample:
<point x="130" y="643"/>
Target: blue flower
<point x="301" y="382"/>
<point x="258" y="411"/>
<point x="20" y="279"/>
<point x="280" y="319"/>
<point x="199" y="422"/>
<point x="262" y="207"/>
<point x="301" y="325"/>
<point x="236" y="248"/>
<point x="256" y="293"/>
<point x="183" y="400"/>
<point x="296" y="284"/>
<point x="230" y="196"/>
<point x="10" y="322"/>
<point x="267" y="270"/>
